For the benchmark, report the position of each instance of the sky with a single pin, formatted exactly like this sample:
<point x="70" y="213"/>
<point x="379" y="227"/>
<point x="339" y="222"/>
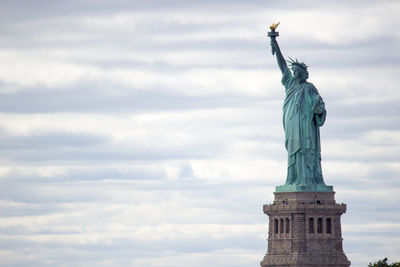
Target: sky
<point x="149" y="133"/>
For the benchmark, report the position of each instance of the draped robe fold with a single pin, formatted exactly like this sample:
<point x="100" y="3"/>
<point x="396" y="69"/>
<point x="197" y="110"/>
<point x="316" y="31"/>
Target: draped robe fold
<point x="303" y="113"/>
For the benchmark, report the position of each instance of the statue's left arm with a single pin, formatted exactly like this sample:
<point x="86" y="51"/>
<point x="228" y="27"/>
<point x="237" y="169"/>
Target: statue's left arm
<point x="319" y="111"/>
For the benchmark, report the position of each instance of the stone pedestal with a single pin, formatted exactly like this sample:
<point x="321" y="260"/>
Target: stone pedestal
<point x="305" y="231"/>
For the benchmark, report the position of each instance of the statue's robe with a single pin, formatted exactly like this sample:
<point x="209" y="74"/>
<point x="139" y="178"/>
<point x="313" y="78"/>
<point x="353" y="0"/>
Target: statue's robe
<point x="303" y="113"/>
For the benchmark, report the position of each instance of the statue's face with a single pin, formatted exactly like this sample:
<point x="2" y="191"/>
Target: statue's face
<point x="297" y="74"/>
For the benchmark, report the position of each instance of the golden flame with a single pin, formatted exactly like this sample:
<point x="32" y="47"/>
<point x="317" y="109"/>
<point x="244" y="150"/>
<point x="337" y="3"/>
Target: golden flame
<point x="274" y="26"/>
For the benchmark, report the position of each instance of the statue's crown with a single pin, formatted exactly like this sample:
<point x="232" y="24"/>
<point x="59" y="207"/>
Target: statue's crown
<point x="297" y="63"/>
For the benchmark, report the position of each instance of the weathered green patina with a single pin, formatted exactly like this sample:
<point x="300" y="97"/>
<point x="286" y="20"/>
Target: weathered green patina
<point x="303" y="113"/>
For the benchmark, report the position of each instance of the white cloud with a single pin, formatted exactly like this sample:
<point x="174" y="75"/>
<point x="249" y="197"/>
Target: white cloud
<point x="22" y="70"/>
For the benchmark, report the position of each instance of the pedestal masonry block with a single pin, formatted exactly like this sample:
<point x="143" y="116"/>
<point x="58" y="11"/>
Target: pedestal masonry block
<point x="305" y="231"/>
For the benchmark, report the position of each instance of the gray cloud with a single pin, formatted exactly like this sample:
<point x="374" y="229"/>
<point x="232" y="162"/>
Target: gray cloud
<point x="52" y="140"/>
<point x="82" y="99"/>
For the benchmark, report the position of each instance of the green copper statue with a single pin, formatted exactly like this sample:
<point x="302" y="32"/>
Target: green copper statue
<point x="303" y="113"/>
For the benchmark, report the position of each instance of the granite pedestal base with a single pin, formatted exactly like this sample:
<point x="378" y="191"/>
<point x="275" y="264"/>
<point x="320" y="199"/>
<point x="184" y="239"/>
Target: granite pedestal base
<point x="305" y="231"/>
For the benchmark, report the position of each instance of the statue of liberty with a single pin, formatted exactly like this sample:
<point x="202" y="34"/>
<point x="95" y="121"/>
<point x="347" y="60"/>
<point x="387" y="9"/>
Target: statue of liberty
<point x="303" y="113"/>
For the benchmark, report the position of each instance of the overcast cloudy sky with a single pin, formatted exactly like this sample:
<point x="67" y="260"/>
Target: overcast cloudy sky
<point x="149" y="133"/>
